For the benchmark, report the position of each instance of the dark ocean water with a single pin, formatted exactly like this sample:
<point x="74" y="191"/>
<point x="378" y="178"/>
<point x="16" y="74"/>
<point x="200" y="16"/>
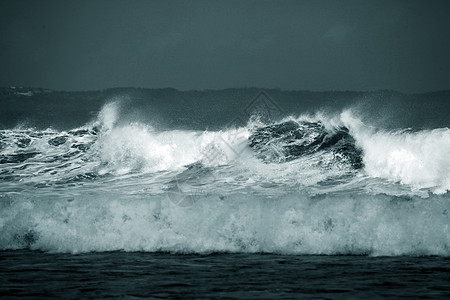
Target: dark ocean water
<point x="240" y="276"/>
<point x="132" y="193"/>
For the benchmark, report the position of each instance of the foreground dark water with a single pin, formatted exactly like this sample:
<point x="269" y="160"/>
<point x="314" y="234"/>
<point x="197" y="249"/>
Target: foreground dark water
<point x="256" y="276"/>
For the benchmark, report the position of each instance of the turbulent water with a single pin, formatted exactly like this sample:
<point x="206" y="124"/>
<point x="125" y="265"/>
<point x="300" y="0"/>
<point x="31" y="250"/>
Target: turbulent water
<point x="317" y="183"/>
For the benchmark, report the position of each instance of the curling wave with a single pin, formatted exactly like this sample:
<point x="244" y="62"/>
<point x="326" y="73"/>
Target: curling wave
<point x="301" y="185"/>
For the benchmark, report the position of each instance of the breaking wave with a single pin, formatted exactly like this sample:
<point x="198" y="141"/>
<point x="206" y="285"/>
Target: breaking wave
<point x="300" y="185"/>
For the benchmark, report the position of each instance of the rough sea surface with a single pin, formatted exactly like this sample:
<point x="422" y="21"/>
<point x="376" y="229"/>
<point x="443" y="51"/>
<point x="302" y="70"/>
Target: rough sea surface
<point x="282" y="194"/>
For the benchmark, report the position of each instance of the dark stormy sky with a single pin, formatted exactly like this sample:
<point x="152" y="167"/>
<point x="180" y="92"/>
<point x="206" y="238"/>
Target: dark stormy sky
<point x="313" y="45"/>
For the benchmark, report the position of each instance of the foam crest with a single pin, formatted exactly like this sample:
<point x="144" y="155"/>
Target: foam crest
<point x="137" y="147"/>
<point x="109" y="115"/>
<point x="420" y="159"/>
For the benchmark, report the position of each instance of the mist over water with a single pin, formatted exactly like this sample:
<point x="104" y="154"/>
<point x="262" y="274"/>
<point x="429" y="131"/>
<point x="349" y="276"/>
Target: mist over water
<point x="328" y="177"/>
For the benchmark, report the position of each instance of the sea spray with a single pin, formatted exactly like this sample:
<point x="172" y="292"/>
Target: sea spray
<point x="109" y="185"/>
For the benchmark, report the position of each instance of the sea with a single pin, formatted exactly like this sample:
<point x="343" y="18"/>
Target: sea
<point x="237" y="193"/>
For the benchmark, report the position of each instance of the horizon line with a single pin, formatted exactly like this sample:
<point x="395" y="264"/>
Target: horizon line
<point x="30" y="88"/>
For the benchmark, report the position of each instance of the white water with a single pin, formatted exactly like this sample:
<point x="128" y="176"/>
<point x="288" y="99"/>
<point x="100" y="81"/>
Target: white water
<point x="295" y="223"/>
<point x="420" y="159"/>
<point x="398" y="204"/>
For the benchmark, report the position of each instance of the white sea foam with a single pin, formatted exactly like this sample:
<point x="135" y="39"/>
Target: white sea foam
<point x="420" y="159"/>
<point x="397" y="204"/>
<point x="133" y="146"/>
<point x="293" y="224"/>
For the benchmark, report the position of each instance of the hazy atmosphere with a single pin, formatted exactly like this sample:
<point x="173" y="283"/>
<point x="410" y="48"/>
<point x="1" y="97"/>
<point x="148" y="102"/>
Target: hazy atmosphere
<point x="292" y="45"/>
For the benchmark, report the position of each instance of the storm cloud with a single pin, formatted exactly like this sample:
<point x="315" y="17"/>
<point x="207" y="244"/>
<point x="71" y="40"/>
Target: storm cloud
<point x="312" y="45"/>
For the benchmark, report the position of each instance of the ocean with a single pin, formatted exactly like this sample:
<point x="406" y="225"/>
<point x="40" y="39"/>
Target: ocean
<point x="238" y="193"/>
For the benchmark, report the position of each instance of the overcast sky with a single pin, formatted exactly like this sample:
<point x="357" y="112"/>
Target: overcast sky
<point x="292" y="45"/>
